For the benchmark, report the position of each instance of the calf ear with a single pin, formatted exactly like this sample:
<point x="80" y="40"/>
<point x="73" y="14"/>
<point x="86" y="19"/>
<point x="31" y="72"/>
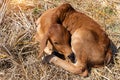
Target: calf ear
<point x="43" y="44"/>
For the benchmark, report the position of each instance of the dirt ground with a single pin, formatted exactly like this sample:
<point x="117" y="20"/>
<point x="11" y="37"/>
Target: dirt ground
<point x="18" y="51"/>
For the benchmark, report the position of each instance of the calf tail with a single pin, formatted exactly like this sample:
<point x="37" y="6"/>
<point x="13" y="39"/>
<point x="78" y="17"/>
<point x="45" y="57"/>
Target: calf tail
<point x="109" y="56"/>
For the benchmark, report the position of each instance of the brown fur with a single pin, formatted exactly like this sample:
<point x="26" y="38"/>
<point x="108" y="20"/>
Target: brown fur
<point x="52" y="36"/>
<point x="89" y="42"/>
<point x="1" y="2"/>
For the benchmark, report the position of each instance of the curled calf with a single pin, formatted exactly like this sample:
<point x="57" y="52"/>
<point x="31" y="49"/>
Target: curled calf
<point x="89" y="42"/>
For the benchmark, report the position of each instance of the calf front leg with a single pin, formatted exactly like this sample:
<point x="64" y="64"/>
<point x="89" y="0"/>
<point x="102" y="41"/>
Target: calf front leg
<point x="69" y="66"/>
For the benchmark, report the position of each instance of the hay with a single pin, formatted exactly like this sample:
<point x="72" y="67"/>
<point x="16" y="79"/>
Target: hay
<point x="18" y="51"/>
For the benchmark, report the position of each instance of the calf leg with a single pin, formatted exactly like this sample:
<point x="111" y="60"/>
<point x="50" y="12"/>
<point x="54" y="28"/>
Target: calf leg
<point x="69" y="66"/>
<point x="80" y="54"/>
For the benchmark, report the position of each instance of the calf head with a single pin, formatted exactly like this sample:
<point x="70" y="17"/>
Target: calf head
<point x="59" y="37"/>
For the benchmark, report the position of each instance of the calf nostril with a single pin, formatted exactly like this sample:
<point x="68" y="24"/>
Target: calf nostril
<point x="72" y="57"/>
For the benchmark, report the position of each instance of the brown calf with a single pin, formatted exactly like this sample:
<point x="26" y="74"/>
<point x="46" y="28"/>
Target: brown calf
<point x="89" y="42"/>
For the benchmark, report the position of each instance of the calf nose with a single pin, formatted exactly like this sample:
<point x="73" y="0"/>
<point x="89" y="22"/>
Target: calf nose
<point x="72" y="57"/>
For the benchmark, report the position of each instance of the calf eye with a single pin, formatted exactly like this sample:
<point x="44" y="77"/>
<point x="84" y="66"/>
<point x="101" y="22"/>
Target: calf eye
<point x="55" y="43"/>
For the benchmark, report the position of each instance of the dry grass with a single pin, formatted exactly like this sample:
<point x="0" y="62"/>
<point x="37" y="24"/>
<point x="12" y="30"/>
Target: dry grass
<point x="18" y="51"/>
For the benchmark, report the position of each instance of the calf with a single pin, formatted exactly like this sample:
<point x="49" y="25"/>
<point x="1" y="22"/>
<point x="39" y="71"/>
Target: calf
<point x="89" y="42"/>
